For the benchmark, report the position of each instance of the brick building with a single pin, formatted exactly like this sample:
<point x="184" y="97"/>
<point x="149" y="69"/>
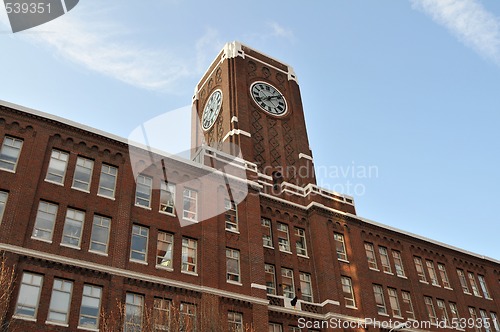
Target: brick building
<point x="232" y="237"/>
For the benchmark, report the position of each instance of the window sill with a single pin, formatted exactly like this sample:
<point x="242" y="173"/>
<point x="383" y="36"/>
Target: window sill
<point x="138" y="261"/>
<point x="489" y="298"/>
<point x="190" y="273"/>
<point x="82" y="190"/>
<point x="232" y="231"/>
<point x="166" y="268"/>
<point x="403" y="277"/>
<point x="423" y="282"/>
<point x="303" y="256"/>
<point x="373" y="269"/>
<point x="143" y="207"/>
<point x="467" y="293"/>
<point x="382" y="314"/>
<point x="29" y="319"/>
<point x="42" y="240"/>
<point x="69" y="246"/>
<point x="107" y="197"/>
<point x="448" y="288"/>
<point x="56" y="183"/>
<point x="268" y="247"/>
<point x="48" y="322"/>
<point x="234" y="283"/>
<point x="478" y="296"/>
<point x="99" y="253"/>
<point x="190" y="219"/>
<point x="87" y="329"/>
<point x="389" y="273"/>
<point x="167" y="213"/>
<point x="436" y="285"/>
<point x="398" y="317"/>
<point x="351" y="307"/>
<point x="8" y="170"/>
<point x="343" y="260"/>
<point x="286" y="252"/>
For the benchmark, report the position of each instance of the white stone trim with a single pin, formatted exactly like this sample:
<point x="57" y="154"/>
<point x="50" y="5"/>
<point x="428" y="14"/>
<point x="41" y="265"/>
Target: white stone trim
<point x="303" y="155"/>
<point x="129" y="274"/>
<point x="236" y="132"/>
<point x="258" y="286"/>
<point x="234" y="119"/>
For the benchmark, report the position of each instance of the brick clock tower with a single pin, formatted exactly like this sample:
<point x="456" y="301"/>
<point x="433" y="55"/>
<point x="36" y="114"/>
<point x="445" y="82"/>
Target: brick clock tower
<point x="250" y="100"/>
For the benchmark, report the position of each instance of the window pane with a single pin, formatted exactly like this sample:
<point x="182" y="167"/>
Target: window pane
<point x="283" y="237"/>
<point x="107" y="181"/>
<point x="340" y="246"/>
<point x="83" y="173"/>
<point x="3" y="202"/>
<point x="270" y="279"/>
<point x="190" y="204"/>
<point x="100" y="234"/>
<point x="57" y="166"/>
<point x="231" y="215"/>
<point x="164" y="250"/>
<point x="72" y="232"/>
<point x="29" y="295"/>
<point x="9" y="153"/>
<point x="44" y="222"/>
<point x="370" y="256"/>
<point x="267" y="235"/>
<point x="133" y="312"/>
<point x="167" y="197"/>
<point x="60" y="301"/>
<point x="189" y="255"/>
<point x="143" y="189"/>
<point x="287" y="283"/>
<point x="139" y="243"/>
<point x="89" y="310"/>
<point x="300" y="241"/>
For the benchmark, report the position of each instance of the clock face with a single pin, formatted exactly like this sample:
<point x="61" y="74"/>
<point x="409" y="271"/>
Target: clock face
<point x="211" y="110"/>
<point x="268" y="98"/>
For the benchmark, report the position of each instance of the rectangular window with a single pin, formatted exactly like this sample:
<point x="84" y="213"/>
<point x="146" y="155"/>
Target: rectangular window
<point x="494" y="321"/>
<point x="60" y="301"/>
<point x="370" y="256"/>
<point x="287" y="283"/>
<point x="444" y="275"/>
<point x="420" y="269"/>
<point x="463" y="281"/>
<point x="454" y="311"/>
<point x="107" y="181"/>
<point x="3" y="202"/>
<point x="45" y="220"/>
<point x="384" y="260"/>
<point x="485" y="319"/>
<point x="189" y="255"/>
<point x="161" y="314"/>
<point x="83" y="174"/>
<point x="482" y="281"/>
<point x="144" y="185"/>
<point x="379" y="299"/>
<point x="398" y="263"/>
<point x="473" y="284"/>
<point x="432" y="272"/>
<point x="348" y="292"/>
<point x="164" y="250"/>
<point x="283" y="237"/>
<point x="167" y="197"/>
<point x="57" y="166"/>
<point x="306" y="287"/>
<point x="188" y="317"/>
<point x="267" y="234"/>
<point x="29" y="295"/>
<point x="340" y="246"/>
<point x="294" y="329"/>
<point x="410" y="313"/>
<point x="99" y="239"/>
<point x="134" y="307"/>
<point x="139" y="243"/>
<point x="473" y="315"/>
<point x="274" y="327"/>
<point x="235" y="321"/>
<point x="231" y="215"/>
<point x="9" y="153"/>
<point x="300" y="241"/>
<point x="73" y="225"/>
<point x="270" y="279"/>
<point x="190" y="199"/>
<point x="233" y="265"/>
<point x="431" y="312"/>
<point x="91" y="306"/>
<point x="442" y="313"/>
<point x="394" y="302"/>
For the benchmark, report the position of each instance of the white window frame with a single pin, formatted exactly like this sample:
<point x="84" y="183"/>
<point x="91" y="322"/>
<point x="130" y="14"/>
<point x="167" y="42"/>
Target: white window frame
<point x="267" y="233"/>
<point x="284" y="242"/>
<point x="419" y="267"/>
<point x="372" y="261"/>
<point x="4" y="196"/>
<point x="134" y="304"/>
<point x="190" y="199"/>
<point x="143" y="191"/>
<point x="288" y="288"/>
<point x="161" y="314"/>
<point x="431" y="311"/>
<point x="72" y="223"/>
<point x="443" y="313"/>
<point x="270" y="271"/>
<point x="189" y="250"/>
<point x="473" y="315"/>
<point x="235" y="321"/>
<point x="165" y="250"/>
<point x="60" y="288"/>
<point x="432" y="272"/>
<point x="109" y="172"/>
<point x="275" y="327"/>
<point x="15" y="146"/>
<point x="454" y="310"/>
<point x="100" y="224"/>
<point x="231" y="215"/>
<point x="398" y="263"/>
<point x="167" y="198"/>
<point x="463" y="281"/>
<point x="85" y="167"/>
<point x="485" y="319"/>
<point x="57" y="157"/>
<point x="29" y="282"/>
<point x="44" y="209"/>
<point x="306" y="286"/>
<point x="300" y="241"/>
<point x="348" y="292"/>
<point x="91" y="294"/>
<point x="444" y="275"/>
<point x="473" y="284"/>
<point x="394" y="302"/>
<point x="410" y="312"/>
<point x="482" y="284"/>
<point x="384" y="259"/>
<point x="340" y="247"/>
<point x="188" y="310"/>
<point x="233" y="276"/>
<point x="494" y="320"/>
<point x="140" y="233"/>
<point x="378" y="293"/>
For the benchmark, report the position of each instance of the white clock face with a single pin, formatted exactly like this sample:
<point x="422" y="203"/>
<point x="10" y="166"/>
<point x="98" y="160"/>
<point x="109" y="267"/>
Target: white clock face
<point x="211" y="110"/>
<point x="268" y="98"/>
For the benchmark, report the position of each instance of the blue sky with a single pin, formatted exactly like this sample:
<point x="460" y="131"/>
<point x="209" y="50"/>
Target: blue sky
<point x="409" y="89"/>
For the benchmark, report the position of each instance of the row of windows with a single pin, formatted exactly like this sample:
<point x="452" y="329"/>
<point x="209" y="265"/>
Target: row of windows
<point x="283" y="235"/>
<point x="288" y="283"/>
<point x="473" y="283"/>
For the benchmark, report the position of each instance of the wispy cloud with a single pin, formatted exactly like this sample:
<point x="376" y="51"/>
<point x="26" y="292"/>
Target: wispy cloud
<point x="469" y="21"/>
<point x="281" y="32"/>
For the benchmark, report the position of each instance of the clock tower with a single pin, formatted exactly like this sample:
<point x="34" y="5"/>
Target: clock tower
<point x="250" y="100"/>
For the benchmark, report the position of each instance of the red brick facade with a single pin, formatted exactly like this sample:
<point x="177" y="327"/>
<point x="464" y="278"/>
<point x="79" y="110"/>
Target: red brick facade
<point x="65" y="252"/>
